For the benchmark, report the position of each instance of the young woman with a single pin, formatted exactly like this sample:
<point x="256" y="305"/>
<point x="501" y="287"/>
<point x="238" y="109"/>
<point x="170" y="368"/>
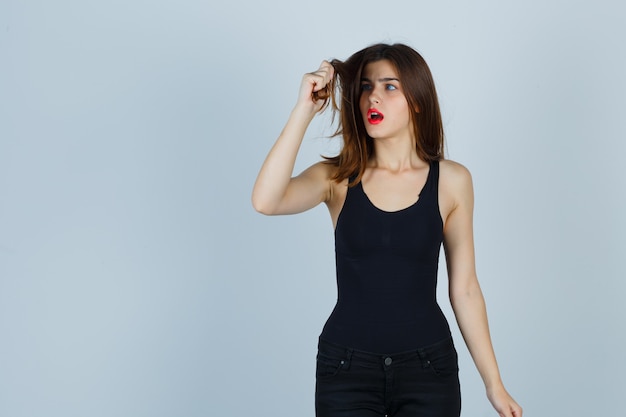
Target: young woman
<point x="386" y="349"/>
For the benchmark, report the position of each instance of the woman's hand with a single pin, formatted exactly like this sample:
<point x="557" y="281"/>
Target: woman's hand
<point x="504" y="404"/>
<point x="313" y="93"/>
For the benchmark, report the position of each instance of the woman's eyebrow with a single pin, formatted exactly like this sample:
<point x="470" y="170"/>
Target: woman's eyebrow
<point x="381" y="80"/>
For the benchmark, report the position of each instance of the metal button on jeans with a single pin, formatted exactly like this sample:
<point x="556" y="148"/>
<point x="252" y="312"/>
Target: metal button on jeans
<point x="388" y="361"/>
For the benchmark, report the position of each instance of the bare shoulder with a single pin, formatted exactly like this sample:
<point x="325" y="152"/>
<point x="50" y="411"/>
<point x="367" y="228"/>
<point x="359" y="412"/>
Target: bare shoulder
<point x="454" y="173"/>
<point x="455" y="187"/>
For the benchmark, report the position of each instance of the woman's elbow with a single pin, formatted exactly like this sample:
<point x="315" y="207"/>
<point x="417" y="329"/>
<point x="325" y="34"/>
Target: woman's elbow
<point x="265" y="204"/>
<point x="262" y="207"/>
<point x="467" y="290"/>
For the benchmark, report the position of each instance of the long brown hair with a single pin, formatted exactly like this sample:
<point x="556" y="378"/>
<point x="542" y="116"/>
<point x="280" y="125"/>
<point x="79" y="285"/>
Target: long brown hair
<point x="419" y="90"/>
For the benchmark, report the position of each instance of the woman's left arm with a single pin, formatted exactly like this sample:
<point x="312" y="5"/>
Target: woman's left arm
<point x="464" y="290"/>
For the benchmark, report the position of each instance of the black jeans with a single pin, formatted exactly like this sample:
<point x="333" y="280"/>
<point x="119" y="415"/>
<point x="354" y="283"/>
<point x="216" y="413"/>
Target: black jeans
<point x="420" y="383"/>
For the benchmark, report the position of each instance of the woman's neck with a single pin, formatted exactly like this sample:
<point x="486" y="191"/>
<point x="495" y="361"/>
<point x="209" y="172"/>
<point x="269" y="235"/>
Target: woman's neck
<point x="395" y="155"/>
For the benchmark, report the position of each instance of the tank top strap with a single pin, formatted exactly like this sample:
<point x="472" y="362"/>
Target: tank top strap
<point x="431" y="187"/>
<point x="352" y="193"/>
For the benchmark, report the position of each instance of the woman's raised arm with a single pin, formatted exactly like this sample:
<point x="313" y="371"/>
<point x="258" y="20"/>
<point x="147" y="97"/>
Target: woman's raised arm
<point x="275" y="191"/>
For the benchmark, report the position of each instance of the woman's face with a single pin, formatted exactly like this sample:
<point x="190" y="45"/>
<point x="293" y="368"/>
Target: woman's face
<point x="383" y="105"/>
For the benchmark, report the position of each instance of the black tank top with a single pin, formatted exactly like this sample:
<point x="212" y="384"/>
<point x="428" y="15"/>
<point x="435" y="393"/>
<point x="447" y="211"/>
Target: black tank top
<point x="387" y="273"/>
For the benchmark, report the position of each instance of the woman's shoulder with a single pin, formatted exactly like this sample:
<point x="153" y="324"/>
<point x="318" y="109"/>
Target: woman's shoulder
<point x="454" y="171"/>
<point x="454" y="177"/>
<point x="455" y="187"/>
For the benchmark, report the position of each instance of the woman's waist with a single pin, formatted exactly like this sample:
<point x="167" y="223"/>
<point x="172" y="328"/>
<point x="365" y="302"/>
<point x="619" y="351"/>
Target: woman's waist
<point x="387" y="331"/>
<point x="399" y="309"/>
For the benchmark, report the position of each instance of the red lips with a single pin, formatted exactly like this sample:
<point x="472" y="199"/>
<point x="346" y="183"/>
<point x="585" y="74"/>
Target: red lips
<point x="374" y="116"/>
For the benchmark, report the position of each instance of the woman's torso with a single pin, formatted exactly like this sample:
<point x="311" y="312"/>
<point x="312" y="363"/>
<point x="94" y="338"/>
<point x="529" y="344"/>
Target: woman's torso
<point x="387" y="265"/>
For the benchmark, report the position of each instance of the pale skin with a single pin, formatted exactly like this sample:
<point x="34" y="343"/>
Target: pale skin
<point x="392" y="179"/>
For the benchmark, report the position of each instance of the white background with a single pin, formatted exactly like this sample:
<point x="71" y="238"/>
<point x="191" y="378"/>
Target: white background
<point x="137" y="280"/>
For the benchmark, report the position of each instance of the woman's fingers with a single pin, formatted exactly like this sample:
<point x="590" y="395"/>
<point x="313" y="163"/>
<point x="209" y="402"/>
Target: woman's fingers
<point x="315" y="85"/>
<point x="323" y="75"/>
<point x="322" y="91"/>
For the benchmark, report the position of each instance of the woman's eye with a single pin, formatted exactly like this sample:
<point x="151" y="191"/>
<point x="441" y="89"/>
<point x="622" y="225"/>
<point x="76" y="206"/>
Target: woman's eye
<point x="391" y="87"/>
<point x="366" y="87"/>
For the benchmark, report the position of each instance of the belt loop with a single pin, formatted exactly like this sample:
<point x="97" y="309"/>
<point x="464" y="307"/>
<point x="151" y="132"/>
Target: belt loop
<point x="348" y="358"/>
<point x="423" y="358"/>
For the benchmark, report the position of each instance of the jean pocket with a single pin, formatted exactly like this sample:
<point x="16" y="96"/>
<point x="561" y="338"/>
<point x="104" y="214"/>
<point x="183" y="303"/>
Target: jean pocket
<point x="444" y="362"/>
<point x="328" y="366"/>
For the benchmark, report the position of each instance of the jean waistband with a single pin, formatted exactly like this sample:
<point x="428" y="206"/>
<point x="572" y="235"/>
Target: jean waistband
<point x="351" y="353"/>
